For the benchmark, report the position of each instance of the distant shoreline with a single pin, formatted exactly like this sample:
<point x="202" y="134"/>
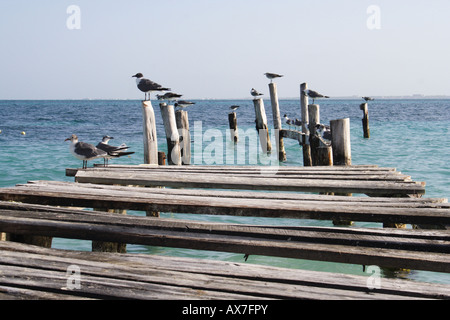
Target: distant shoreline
<point x="411" y="97"/>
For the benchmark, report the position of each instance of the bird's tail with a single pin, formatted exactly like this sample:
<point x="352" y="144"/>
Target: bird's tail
<point x="326" y="96"/>
<point x="120" y="154"/>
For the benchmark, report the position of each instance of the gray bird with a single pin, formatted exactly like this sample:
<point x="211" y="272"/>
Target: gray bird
<point x="147" y="86"/>
<point x="368" y="98"/>
<point x="113" y="152"/>
<point x="84" y="151"/>
<point x="272" y="76"/>
<point x="314" y="94"/>
<point x="255" y="93"/>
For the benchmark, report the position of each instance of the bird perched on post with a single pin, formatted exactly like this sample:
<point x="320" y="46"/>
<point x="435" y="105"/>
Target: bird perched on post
<point x="169" y="96"/>
<point x="288" y="121"/>
<point x="368" y="99"/>
<point x="272" y="76"/>
<point x="84" y="151"/>
<point x="184" y="103"/>
<point x="147" y="86"/>
<point x="314" y="94"/>
<point x="255" y="93"/>
<point x="113" y="152"/>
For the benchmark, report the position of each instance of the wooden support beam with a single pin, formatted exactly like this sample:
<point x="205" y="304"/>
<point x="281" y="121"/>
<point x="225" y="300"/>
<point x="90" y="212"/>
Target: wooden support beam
<point x="305" y="120"/>
<point x="340" y="142"/>
<point x="277" y="121"/>
<point x="232" y="120"/>
<point x="261" y="125"/>
<point x="185" y="136"/>
<point x="172" y="136"/>
<point x="150" y="139"/>
<point x="365" y="121"/>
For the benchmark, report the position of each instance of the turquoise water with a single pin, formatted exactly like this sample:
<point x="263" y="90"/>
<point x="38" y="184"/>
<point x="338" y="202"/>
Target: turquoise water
<point x="410" y="135"/>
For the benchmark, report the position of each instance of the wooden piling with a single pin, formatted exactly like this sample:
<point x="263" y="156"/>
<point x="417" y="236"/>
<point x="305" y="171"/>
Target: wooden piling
<point x="232" y="120"/>
<point x="115" y="247"/>
<point x="172" y="136"/>
<point x="321" y="154"/>
<point x="277" y="121"/>
<point x="340" y="142"/>
<point x="261" y="125"/>
<point x="150" y="139"/>
<point x="185" y="136"/>
<point x="305" y="119"/>
<point x="365" y="121"/>
<point x="161" y="158"/>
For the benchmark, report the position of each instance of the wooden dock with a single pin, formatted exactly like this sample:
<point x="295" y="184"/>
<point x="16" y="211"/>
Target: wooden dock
<point x="40" y="209"/>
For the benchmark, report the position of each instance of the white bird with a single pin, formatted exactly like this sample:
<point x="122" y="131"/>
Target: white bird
<point x="147" y="86"/>
<point x="84" y="151"/>
<point x="288" y="121"/>
<point x="113" y="152"/>
<point x="272" y="76"/>
<point x="255" y="93"/>
<point x="314" y="94"/>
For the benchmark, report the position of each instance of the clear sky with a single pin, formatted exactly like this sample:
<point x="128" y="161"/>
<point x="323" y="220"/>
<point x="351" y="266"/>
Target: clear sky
<point x="221" y="48"/>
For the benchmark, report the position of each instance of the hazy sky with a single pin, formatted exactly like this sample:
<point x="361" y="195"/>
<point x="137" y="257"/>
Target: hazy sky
<point x="221" y="48"/>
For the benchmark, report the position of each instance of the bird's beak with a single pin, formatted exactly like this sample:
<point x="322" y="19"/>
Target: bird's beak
<point x="67" y="139"/>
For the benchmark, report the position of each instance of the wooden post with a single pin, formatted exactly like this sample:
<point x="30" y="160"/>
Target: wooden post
<point x="314" y="142"/>
<point x="172" y="136"/>
<point x="305" y="120"/>
<point x="161" y="158"/>
<point x="185" y="136"/>
<point x="277" y="121"/>
<point x="365" y="121"/>
<point x="150" y="140"/>
<point x="261" y="125"/>
<point x="232" y="120"/>
<point x="340" y="142"/>
<point x="100" y="246"/>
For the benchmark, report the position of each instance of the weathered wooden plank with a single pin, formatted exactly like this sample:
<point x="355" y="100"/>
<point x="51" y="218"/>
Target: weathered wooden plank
<point x="145" y="200"/>
<point x="185" y="180"/>
<point x="217" y="276"/>
<point x="255" y="241"/>
<point x="381" y="201"/>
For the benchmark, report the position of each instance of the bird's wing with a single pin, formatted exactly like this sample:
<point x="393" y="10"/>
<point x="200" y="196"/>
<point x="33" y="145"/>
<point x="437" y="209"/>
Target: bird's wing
<point x="88" y="150"/>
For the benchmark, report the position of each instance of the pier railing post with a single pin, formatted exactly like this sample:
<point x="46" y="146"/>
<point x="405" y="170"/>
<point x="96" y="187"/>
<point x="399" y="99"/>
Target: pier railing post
<point x="172" y="136"/>
<point x="365" y="121"/>
<point x="185" y="136"/>
<point x="305" y="120"/>
<point x="150" y="139"/>
<point x="340" y="141"/>
<point x="277" y="121"/>
<point x="232" y="120"/>
<point x="261" y="125"/>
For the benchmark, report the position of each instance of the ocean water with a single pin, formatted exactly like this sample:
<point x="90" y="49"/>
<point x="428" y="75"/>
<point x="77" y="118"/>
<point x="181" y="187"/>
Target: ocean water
<point x="410" y="135"/>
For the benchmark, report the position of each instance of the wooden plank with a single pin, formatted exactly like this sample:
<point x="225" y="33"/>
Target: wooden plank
<point x="217" y="276"/>
<point x="144" y="199"/>
<point x="395" y="251"/>
<point x="203" y="180"/>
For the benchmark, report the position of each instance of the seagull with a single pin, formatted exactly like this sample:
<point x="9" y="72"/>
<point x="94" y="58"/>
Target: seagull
<point x="298" y="123"/>
<point x="323" y="131"/>
<point x="234" y="108"/>
<point x="313" y="94"/>
<point x="169" y="96"/>
<point x="368" y="98"/>
<point x="255" y="93"/>
<point x="184" y="103"/>
<point x="147" y="86"/>
<point x="84" y="151"/>
<point x="113" y="152"/>
<point x="288" y="121"/>
<point x="272" y="76"/>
